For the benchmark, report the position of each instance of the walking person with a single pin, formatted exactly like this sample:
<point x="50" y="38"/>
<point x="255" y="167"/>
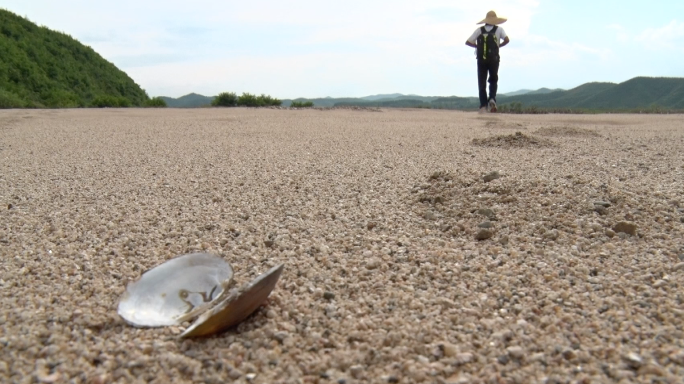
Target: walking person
<point x="487" y="40"/>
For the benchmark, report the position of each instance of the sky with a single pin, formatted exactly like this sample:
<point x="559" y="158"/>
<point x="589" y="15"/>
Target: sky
<point x="355" y="48"/>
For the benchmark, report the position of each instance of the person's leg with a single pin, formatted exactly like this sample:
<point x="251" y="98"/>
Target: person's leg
<point x="482" y="83"/>
<point x="493" y="80"/>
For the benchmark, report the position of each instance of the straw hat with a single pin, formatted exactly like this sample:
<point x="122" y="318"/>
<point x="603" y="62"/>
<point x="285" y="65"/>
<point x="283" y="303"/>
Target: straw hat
<point x="492" y="19"/>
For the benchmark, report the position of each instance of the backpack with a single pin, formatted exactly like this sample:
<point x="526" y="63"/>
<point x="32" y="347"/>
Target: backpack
<point x="488" y="46"/>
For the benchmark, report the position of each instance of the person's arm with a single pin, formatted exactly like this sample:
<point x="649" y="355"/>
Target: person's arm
<point x="468" y="43"/>
<point x="505" y="42"/>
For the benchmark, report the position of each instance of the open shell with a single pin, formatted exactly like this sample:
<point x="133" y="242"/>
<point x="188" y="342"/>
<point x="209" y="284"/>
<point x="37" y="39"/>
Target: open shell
<point x="236" y="306"/>
<point x="176" y="290"/>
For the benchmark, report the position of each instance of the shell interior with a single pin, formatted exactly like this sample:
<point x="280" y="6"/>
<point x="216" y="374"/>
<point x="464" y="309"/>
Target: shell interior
<point x="176" y="290"/>
<point x="236" y="306"/>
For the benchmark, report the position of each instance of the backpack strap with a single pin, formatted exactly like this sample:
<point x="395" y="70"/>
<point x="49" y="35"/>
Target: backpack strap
<point x="483" y="30"/>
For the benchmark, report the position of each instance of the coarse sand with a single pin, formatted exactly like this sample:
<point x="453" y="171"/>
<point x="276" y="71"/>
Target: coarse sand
<point x="577" y="275"/>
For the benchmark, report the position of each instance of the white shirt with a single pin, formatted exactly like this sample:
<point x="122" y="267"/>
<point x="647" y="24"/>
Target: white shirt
<point x="500" y="34"/>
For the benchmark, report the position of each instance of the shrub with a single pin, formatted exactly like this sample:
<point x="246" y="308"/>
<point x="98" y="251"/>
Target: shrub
<point x="249" y="100"/>
<point x="302" y="104"/>
<point x="155" y="102"/>
<point x="10" y="100"/>
<point x="108" y="101"/>
<point x="225" y="99"/>
<point x="266" y="100"/>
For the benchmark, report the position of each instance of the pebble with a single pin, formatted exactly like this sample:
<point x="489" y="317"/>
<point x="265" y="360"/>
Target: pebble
<point x="491" y="176"/>
<point x="551" y="235"/>
<point x="373" y="263"/>
<point x="634" y="360"/>
<point x="626" y="227"/>
<point x="516" y="352"/>
<point x="449" y="349"/>
<point x="328" y="295"/>
<point x="356" y="371"/>
<point x="486" y="224"/>
<point x="483" y="234"/>
<point x="488" y="213"/>
<point x="678" y="267"/>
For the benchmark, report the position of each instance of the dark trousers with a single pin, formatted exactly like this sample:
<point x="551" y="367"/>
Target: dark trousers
<point x="491" y="68"/>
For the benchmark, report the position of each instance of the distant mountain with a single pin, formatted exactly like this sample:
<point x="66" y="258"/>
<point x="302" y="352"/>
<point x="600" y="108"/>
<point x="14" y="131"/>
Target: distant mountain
<point x="381" y="97"/>
<point x="639" y="92"/>
<point x="516" y="93"/>
<point x="42" y="68"/>
<point x="325" y="102"/>
<point x="192" y="100"/>
<point x="539" y="91"/>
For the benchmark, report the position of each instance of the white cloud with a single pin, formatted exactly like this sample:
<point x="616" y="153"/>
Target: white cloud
<point x="621" y="33"/>
<point x="669" y="36"/>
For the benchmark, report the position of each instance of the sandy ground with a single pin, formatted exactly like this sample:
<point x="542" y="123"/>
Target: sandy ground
<point x="577" y="277"/>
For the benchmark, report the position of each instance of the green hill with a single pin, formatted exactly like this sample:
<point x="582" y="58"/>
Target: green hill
<point x="639" y="92"/>
<point x="192" y="100"/>
<point x="43" y="68"/>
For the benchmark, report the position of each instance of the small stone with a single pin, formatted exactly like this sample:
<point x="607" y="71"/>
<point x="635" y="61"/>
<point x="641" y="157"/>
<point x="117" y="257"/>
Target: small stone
<point x="235" y="374"/>
<point x="504" y="240"/>
<point x="660" y="284"/>
<point x="356" y="371"/>
<point x="51" y="378"/>
<point x="633" y="360"/>
<point x="373" y="263"/>
<point x="486" y="224"/>
<point x="551" y="235"/>
<point x="392" y="379"/>
<point x="484" y="234"/>
<point x="429" y="215"/>
<point x="625" y="227"/>
<point x="281" y="336"/>
<point x="602" y="204"/>
<point x="9" y="206"/>
<point x="269" y="243"/>
<point x="464" y="358"/>
<point x="449" y="349"/>
<point x="677" y="357"/>
<point x="569" y="354"/>
<point x="491" y="176"/>
<point x="371" y="225"/>
<point x="610" y="233"/>
<point x="488" y="213"/>
<point x="515" y="352"/>
<point x="651" y="369"/>
<point x="503" y="359"/>
<point x="458" y="379"/>
<point x="328" y="295"/>
<point x="600" y="209"/>
<point x="678" y="267"/>
<point x="250" y="376"/>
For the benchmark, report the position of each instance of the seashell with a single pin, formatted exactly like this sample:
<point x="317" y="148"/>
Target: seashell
<point x="176" y="291"/>
<point x="235" y="306"/>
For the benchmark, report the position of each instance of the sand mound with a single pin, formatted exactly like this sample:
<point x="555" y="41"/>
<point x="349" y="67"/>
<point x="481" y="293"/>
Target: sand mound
<point x="566" y="132"/>
<point x="517" y="140"/>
